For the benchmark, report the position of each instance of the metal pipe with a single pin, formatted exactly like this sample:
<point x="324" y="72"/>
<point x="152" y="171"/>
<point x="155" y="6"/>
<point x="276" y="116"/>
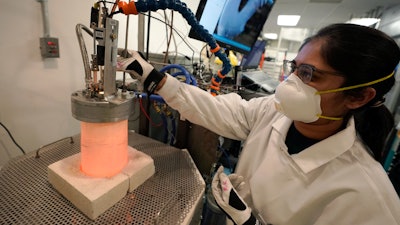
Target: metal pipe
<point x="85" y="57"/>
<point x="141" y="33"/>
<point x="126" y="51"/>
<point x="45" y="13"/>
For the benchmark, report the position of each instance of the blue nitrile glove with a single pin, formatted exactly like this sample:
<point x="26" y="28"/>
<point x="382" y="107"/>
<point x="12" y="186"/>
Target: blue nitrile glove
<point x="229" y="200"/>
<point x="133" y="63"/>
<point x="233" y="20"/>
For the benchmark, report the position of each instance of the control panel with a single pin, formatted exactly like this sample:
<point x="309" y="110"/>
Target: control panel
<point x="49" y="47"/>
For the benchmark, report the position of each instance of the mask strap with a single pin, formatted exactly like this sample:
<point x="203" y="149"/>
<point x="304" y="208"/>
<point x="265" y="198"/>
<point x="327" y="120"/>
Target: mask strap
<point x="329" y="117"/>
<point x="355" y="86"/>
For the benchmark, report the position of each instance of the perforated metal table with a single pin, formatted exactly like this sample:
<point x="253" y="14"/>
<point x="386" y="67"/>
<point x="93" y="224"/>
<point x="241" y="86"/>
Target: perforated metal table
<point x="173" y="195"/>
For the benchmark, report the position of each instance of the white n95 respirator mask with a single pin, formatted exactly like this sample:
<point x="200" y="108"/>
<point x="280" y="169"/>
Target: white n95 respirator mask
<point x="298" y="101"/>
<point x="301" y="102"/>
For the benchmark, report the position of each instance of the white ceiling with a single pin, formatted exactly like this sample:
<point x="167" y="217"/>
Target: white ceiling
<point x="315" y="15"/>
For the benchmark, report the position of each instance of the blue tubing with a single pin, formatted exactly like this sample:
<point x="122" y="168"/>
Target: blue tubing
<point x="153" y="97"/>
<point x="189" y="78"/>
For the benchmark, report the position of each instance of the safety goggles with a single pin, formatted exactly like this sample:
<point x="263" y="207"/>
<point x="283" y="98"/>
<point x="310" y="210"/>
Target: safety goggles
<point x="304" y="71"/>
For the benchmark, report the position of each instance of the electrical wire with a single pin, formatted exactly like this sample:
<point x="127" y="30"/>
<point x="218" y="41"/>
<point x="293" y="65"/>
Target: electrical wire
<point x="201" y="51"/>
<point x="104" y="2"/>
<point x="170" y="24"/>
<point x="180" y="33"/>
<point x="166" y="22"/>
<point x="114" y="7"/>
<point x="147" y="115"/>
<point x="207" y="55"/>
<point x="12" y="138"/>
<point x="176" y="47"/>
<point x="174" y="39"/>
<point x="176" y="31"/>
<point x="148" y="35"/>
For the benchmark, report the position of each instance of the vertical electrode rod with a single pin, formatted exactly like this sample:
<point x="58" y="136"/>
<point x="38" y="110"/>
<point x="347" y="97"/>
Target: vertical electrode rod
<point x="125" y="52"/>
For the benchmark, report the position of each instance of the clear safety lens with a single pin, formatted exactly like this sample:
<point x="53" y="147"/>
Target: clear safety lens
<point x="304" y="71"/>
<point x="287" y="68"/>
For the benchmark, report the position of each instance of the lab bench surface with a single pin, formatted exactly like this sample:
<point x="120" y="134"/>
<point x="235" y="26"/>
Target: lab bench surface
<point x="173" y="195"/>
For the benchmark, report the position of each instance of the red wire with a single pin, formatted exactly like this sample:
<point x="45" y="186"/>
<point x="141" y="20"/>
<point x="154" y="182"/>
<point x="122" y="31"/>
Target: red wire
<point x="114" y="6"/>
<point x="147" y="116"/>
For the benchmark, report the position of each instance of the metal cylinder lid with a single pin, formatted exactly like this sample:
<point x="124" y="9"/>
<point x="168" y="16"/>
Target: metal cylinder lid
<point x="96" y="110"/>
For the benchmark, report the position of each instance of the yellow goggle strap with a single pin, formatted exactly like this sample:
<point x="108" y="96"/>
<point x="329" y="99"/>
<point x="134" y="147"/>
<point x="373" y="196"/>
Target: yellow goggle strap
<point x="355" y="86"/>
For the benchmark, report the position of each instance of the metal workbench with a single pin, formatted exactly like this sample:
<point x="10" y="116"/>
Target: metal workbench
<point x="173" y="195"/>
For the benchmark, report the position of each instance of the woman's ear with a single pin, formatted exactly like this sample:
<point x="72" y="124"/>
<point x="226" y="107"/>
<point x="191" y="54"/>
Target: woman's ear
<point x="354" y="102"/>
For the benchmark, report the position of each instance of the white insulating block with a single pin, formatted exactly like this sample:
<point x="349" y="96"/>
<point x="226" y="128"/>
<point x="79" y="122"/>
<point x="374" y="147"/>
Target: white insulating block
<point x="93" y="196"/>
<point x="140" y="167"/>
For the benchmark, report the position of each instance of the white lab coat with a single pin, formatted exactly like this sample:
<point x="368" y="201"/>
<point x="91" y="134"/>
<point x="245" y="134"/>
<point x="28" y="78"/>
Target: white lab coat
<point x="335" y="181"/>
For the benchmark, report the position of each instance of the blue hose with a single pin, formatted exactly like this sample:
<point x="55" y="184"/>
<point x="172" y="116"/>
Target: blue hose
<point x="153" y="97"/>
<point x="189" y="78"/>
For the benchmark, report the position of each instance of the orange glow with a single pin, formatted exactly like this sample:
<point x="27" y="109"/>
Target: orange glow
<point x="104" y="148"/>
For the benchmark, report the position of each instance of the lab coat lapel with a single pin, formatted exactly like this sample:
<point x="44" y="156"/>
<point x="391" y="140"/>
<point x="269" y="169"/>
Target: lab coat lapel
<point x="326" y="150"/>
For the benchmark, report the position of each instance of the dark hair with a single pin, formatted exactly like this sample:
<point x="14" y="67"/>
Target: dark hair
<point x="363" y="54"/>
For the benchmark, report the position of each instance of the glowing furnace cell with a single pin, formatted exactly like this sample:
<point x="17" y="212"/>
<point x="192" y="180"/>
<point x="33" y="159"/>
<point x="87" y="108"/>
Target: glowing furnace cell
<point x="104" y="148"/>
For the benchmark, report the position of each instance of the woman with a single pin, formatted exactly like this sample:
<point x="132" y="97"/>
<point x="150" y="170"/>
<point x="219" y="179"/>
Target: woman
<point x="311" y="152"/>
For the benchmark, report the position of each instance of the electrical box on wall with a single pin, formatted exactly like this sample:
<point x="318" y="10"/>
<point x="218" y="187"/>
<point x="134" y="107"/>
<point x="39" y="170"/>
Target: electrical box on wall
<point x="49" y="47"/>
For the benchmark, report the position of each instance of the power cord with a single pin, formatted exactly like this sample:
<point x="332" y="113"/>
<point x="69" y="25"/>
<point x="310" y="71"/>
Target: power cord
<point x="12" y="138"/>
